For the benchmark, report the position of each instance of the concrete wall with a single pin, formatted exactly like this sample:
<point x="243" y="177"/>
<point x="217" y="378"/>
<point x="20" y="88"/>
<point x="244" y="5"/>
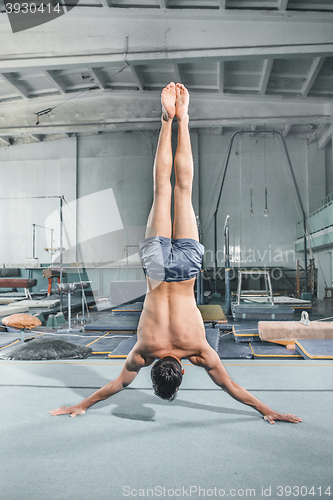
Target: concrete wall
<point x="258" y="240"/>
<point x="33" y="171"/>
<point x="107" y="182"/>
<point x="329" y="169"/>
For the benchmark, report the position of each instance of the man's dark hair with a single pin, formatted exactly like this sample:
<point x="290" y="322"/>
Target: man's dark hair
<point x="166" y="375"/>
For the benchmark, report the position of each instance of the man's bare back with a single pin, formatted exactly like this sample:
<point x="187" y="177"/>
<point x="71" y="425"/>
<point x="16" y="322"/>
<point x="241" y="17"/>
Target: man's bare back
<point x="170" y="323"/>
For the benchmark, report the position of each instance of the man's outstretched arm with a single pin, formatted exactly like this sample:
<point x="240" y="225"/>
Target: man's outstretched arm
<point x="128" y="373"/>
<point x="219" y="375"/>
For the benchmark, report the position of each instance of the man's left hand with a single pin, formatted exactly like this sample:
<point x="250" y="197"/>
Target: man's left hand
<point x="288" y="417"/>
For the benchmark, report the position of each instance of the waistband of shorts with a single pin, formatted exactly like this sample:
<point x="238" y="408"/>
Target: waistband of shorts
<point x="165" y="238"/>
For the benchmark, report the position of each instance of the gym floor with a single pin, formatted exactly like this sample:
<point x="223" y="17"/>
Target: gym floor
<point x="137" y="445"/>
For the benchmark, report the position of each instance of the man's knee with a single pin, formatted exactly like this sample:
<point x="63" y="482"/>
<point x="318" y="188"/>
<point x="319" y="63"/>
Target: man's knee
<point x="183" y="187"/>
<point x="163" y="189"/>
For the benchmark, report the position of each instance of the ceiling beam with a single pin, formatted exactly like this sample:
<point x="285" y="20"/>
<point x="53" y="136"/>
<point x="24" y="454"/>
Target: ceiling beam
<point x="6" y="140"/>
<point x="316" y="5"/>
<point x="37" y="137"/>
<point x="314" y="136"/>
<point x="220" y="76"/>
<point x="137" y="77"/>
<point x="218" y="36"/>
<point x="325" y="138"/>
<point x="98" y="78"/>
<point x="251" y="4"/>
<point x="266" y="73"/>
<point x="15" y="84"/>
<point x="313" y="73"/>
<point x="107" y="110"/>
<point x="54" y="80"/>
<point x="282" y="4"/>
<point x="178" y="77"/>
<point x="286" y="129"/>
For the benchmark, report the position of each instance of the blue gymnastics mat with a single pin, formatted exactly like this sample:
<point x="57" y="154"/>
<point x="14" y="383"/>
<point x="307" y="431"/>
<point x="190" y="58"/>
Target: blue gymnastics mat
<point x="212" y="336"/>
<point x="7" y="338"/>
<point x="262" y="312"/>
<point x="245" y="331"/>
<point x="117" y="323"/>
<point x="315" y="349"/>
<point x="268" y="350"/>
<point x="135" y="308"/>
<point x="229" y="349"/>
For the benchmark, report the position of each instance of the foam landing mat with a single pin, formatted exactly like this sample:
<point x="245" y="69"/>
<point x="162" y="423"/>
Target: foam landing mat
<point x="268" y="350"/>
<point x="229" y="349"/>
<point x="245" y="332"/>
<point x="315" y="349"/>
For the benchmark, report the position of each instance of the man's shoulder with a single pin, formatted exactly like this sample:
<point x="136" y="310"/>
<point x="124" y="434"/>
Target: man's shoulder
<point x="137" y="358"/>
<point x="206" y="357"/>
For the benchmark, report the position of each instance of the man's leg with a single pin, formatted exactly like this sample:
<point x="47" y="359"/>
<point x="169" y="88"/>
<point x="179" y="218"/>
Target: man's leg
<point x="159" y="220"/>
<point x="185" y="225"/>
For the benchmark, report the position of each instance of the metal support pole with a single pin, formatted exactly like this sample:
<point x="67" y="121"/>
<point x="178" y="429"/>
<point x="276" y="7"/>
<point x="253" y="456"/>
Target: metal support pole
<point x="61" y="250"/>
<point x="302" y="208"/>
<point x="34" y="241"/>
<point x="227" y="267"/>
<point x="218" y="203"/>
<point x="69" y="312"/>
<point x="294" y="181"/>
<point x="215" y="250"/>
<point x="201" y="287"/>
<point x="51" y="247"/>
<point x="83" y="306"/>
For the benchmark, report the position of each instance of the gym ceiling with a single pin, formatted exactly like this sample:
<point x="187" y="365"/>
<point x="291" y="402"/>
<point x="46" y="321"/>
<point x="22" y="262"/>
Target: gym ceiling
<point x="249" y="64"/>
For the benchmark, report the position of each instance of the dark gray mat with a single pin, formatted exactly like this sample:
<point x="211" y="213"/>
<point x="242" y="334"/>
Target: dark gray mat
<point x="246" y="331"/>
<point x="261" y="312"/>
<point x="229" y="349"/>
<point x="135" y="308"/>
<point x="270" y="350"/>
<point x="315" y="349"/>
<point x="115" y="323"/>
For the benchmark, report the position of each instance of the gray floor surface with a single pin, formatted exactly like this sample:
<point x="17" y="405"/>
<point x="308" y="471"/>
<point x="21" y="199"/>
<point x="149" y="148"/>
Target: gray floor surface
<point x="203" y="445"/>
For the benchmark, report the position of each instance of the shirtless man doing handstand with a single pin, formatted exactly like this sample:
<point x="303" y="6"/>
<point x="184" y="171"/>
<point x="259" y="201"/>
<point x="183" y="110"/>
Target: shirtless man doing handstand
<point x="171" y="326"/>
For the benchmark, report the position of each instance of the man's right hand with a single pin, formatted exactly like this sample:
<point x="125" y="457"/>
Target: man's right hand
<point x="72" y="411"/>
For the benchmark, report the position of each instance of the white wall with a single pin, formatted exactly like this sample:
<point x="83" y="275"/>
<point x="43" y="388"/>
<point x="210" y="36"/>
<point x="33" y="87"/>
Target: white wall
<point x="111" y="175"/>
<point x="33" y="170"/>
<point x="263" y="240"/>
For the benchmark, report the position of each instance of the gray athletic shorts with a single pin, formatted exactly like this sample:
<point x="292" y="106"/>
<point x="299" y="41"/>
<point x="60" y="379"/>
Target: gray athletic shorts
<point x="171" y="260"/>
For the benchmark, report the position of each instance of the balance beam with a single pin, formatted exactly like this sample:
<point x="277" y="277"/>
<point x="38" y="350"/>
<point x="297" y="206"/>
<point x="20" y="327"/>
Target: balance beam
<point x="18" y="283"/>
<point x="294" y="330"/>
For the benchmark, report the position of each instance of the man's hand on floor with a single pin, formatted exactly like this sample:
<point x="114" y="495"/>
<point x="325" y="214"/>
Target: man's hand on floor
<point x="72" y="411"/>
<point x="274" y="415"/>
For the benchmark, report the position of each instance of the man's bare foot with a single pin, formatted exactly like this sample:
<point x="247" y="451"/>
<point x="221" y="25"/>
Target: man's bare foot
<point x="168" y="99"/>
<point x="182" y="101"/>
